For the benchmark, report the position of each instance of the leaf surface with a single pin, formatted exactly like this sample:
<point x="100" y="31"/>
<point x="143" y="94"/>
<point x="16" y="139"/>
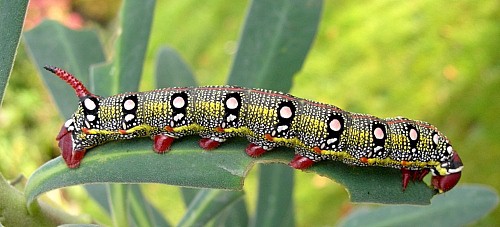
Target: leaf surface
<point x="188" y="165"/>
<point x="12" y="15"/>
<point x="458" y="207"/>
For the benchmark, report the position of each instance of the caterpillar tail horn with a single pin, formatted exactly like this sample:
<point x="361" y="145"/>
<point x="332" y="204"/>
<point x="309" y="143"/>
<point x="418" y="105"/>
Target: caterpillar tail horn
<point x="71" y="156"/>
<point x="80" y="89"/>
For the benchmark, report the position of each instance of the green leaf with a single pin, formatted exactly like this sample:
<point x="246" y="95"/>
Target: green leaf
<point x="188" y="195"/>
<point x="224" y="168"/>
<point x="275" y="203"/>
<point x="99" y="193"/>
<point x="136" y="17"/>
<point x="13" y="210"/>
<point x="235" y="215"/>
<point x="274" y="43"/>
<point x="207" y="204"/>
<point x="101" y="79"/>
<point x="459" y="207"/>
<point x="117" y="193"/>
<point x="12" y="17"/>
<point x="141" y="211"/>
<point x="50" y="43"/>
<point x="171" y="70"/>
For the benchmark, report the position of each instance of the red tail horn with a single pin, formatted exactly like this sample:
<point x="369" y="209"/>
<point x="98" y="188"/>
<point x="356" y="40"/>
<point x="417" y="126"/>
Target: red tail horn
<point x="80" y="89"/>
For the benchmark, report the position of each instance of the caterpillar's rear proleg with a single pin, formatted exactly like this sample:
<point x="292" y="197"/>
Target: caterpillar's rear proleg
<point x="162" y="143"/>
<point x="301" y="162"/>
<point x="208" y="144"/>
<point x="254" y="150"/>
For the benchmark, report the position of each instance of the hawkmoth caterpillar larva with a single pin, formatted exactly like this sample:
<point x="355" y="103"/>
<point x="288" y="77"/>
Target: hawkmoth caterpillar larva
<point x="267" y="119"/>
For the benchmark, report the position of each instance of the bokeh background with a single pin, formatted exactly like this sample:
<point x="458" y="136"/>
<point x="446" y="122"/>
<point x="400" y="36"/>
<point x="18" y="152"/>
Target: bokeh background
<point x="437" y="61"/>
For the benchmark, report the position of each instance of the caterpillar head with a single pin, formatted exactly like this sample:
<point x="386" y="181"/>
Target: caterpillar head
<point x="447" y="174"/>
<point x="72" y="141"/>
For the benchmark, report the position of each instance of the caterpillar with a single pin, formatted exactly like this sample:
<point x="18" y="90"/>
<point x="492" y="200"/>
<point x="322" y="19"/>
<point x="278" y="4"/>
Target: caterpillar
<point x="268" y="119"/>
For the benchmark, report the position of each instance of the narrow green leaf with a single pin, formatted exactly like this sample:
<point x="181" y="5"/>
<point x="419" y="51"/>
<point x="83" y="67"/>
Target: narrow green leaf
<point x="117" y="193"/>
<point x="188" y="194"/>
<point x="141" y="211"/>
<point x="224" y="168"/>
<point x="101" y="79"/>
<point x="12" y="18"/>
<point x="98" y="192"/>
<point x="235" y="215"/>
<point x="461" y="206"/>
<point x="13" y="211"/>
<point x="171" y="70"/>
<point x="274" y="43"/>
<point x="274" y="203"/>
<point x="207" y="204"/>
<point x="136" y="17"/>
<point x="50" y="43"/>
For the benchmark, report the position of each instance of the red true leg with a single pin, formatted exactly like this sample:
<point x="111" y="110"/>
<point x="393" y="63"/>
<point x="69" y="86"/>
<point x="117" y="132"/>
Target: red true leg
<point x="300" y="162"/>
<point x="414" y="175"/>
<point x="208" y="144"/>
<point x="162" y="143"/>
<point x="423" y="173"/>
<point x="254" y="150"/>
<point x="406" y="177"/>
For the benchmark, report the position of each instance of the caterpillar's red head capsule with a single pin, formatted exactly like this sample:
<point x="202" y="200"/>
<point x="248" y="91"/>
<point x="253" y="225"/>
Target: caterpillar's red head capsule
<point x="449" y="175"/>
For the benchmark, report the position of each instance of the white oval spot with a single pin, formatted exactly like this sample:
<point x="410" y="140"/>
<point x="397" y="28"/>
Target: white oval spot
<point x="286" y="112"/>
<point x="89" y="104"/>
<point x="449" y="149"/>
<point x="378" y="133"/>
<point x="282" y="128"/>
<point x="90" y="117"/>
<point x="178" y="117"/>
<point x="413" y="134"/>
<point x="335" y="125"/>
<point x="129" y="117"/>
<point x="230" y="118"/>
<point x="232" y="103"/>
<point x="129" y="104"/>
<point x="330" y="141"/>
<point x="69" y="122"/>
<point x="179" y="102"/>
<point x="435" y="138"/>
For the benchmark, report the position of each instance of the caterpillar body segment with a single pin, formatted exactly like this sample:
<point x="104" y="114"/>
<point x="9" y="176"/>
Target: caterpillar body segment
<point x="267" y="119"/>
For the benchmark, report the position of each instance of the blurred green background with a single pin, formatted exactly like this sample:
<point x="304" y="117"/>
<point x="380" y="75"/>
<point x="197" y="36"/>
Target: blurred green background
<point x="437" y="61"/>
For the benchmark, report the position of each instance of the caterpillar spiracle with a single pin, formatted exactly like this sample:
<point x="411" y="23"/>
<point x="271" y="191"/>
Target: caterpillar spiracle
<point x="267" y="119"/>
